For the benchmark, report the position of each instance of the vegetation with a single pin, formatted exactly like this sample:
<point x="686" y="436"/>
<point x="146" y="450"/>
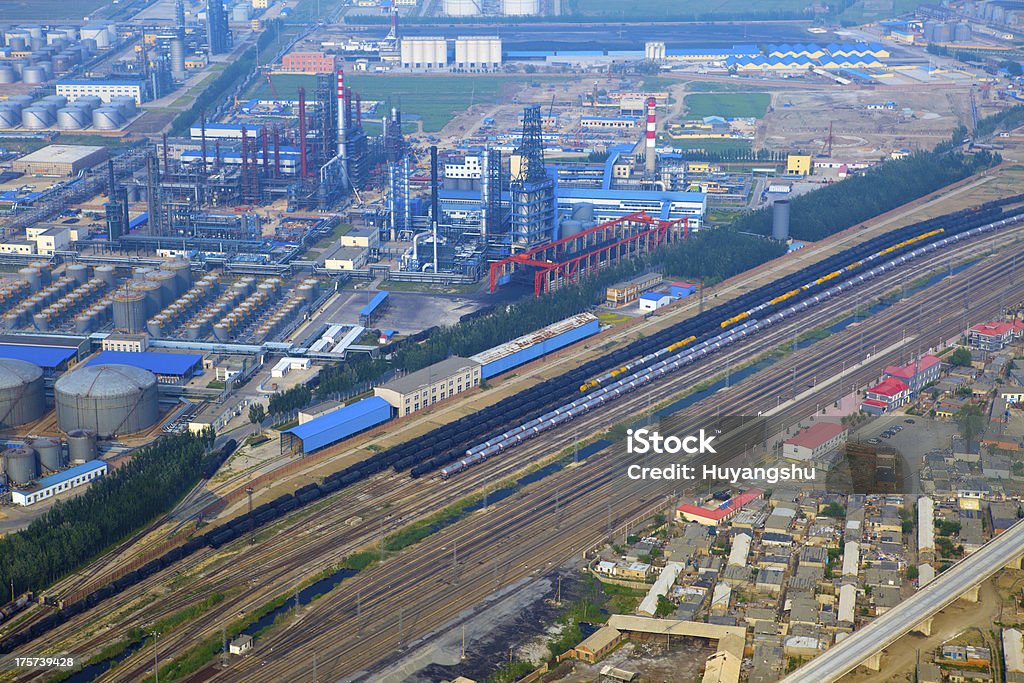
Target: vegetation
<point x="834" y="510"/>
<point x="75" y="531"/>
<point x="293" y="399"/>
<point x="257" y="413"/>
<point x="727" y="105"/>
<point x="947" y="527"/>
<point x="510" y="671"/>
<point x="912" y="572"/>
<point x="665" y="607"/>
<point x="961" y="357"/>
<point x="971" y="421"/>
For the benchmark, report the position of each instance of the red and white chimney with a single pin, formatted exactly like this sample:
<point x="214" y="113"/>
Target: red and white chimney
<point x="649" y="156"/>
<point x="341" y="114"/>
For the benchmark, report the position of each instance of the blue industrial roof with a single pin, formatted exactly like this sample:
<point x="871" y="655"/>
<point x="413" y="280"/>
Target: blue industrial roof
<point x="369" y="308"/>
<point x="653" y="296"/>
<point x="101" y="81"/>
<point x="70" y="473"/>
<point x="138" y="220"/>
<point x="43" y="356"/>
<point x="157" y="363"/>
<point x="587" y="193"/>
<point x="313" y="432"/>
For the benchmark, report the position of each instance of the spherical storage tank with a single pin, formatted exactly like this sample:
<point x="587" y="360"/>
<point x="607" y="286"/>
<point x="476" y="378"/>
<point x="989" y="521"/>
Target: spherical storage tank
<point x="520" y="8"/>
<point x="22" y="394"/>
<point x="108" y="399"/>
<point x="21" y="465"/>
<point x="461" y="8"/>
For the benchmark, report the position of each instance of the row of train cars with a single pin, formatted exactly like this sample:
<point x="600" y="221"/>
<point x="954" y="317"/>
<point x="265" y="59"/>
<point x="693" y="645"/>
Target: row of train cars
<point x="450" y="443"/>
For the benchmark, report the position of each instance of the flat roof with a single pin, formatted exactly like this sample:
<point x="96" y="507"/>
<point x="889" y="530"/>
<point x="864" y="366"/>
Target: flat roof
<point x="61" y="154"/>
<point x="528" y="340"/>
<point x="69" y="474"/>
<point x="44" y="356"/>
<point x="156" y="362"/>
<point x="430" y="374"/>
<point x="815" y="435"/>
<point x="313" y="432"/>
<point x="102" y="82"/>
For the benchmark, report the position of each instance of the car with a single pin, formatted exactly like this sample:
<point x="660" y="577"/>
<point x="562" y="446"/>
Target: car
<point x="897" y="428"/>
<point x="874" y="441"/>
<point x="909" y="420"/>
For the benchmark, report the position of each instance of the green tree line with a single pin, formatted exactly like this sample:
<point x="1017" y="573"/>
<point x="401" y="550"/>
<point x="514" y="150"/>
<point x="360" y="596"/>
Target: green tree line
<point x="74" y="532"/>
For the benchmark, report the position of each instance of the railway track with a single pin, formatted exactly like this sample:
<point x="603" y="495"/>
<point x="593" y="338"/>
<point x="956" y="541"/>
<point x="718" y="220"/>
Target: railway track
<point x="524" y="454"/>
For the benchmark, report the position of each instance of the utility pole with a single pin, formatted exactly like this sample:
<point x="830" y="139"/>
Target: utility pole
<point x="252" y="524"/>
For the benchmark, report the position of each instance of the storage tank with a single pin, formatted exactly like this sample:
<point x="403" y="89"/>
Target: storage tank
<point x="461" y="8"/>
<point x="79" y="272"/>
<point x="47" y="67"/>
<point x="109" y="399"/>
<point x="81" y="446"/>
<point x="154" y="296"/>
<point x="84" y="323"/>
<point x="21" y="465"/>
<point x="140" y="272"/>
<point x="125" y="104"/>
<point x="41" y="321"/>
<point x="36" y="118"/>
<point x="17" y="43"/>
<point x="155" y="328"/>
<point x="22" y="393"/>
<point x="130" y="311"/>
<point x="107" y="118"/>
<point x="520" y="8"/>
<point x="108" y="274"/>
<point x="168" y="283"/>
<point x="92" y="101"/>
<point x="73" y="118"/>
<point x="10" y="118"/>
<point x="569" y="228"/>
<point x="8" y="74"/>
<point x="33" y="75"/>
<point x="780" y="220"/>
<point x="51" y="457"/>
<point x="178" y="59"/>
<point x="57" y="101"/>
<point x="182" y="270"/>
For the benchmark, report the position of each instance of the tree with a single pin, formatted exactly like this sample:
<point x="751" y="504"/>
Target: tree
<point x="834" y="510"/>
<point x="665" y="607"/>
<point x="971" y="421"/>
<point x="912" y="572"/>
<point x="257" y="413"/>
<point x="960" y="357"/>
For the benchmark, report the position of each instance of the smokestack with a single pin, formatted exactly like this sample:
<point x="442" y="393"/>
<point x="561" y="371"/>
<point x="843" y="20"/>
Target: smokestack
<point x="266" y="155"/>
<point x="359" y="111"/>
<point x="649" y="159"/>
<point x="245" y="170"/>
<point x="342" y="122"/>
<point x="434" y="217"/>
<point x="202" y="133"/>
<point x="277" y="152"/>
<point x="394" y="23"/>
<point x="216" y="154"/>
<point x="348" y="107"/>
<point x="302" y="132"/>
<point x="166" y="167"/>
<point x="111" y="183"/>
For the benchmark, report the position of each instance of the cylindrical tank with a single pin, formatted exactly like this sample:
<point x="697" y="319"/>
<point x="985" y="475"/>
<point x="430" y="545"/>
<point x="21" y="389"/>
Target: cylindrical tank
<point x="140" y="272"/>
<point x="125" y="103"/>
<point x="108" y="274"/>
<point x="36" y="117"/>
<point x="22" y="394"/>
<point x="520" y="8"/>
<point x="780" y="220"/>
<point x="154" y="296"/>
<point x="79" y="272"/>
<point x="109" y="399"/>
<point x="21" y="465"/>
<point x="33" y="75"/>
<point x="240" y="12"/>
<point x="17" y="43"/>
<point x="569" y="228"/>
<point x="58" y="101"/>
<point x="47" y="67"/>
<point x="51" y="457"/>
<point x="194" y="332"/>
<point x="84" y="323"/>
<point x="182" y="270"/>
<point x="8" y="75"/>
<point x="73" y="118"/>
<point x="41" y="321"/>
<point x="178" y="58"/>
<point x="81" y="446"/>
<point x="461" y="8"/>
<point x="10" y="117"/>
<point x="168" y="283"/>
<point x="107" y="118"/>
<point x="222" y="332"/>
<point x="92" y="101"/>
<point x="155" y="327"/>
<point x="20" y="100"/>
<point x="307" y="293"/>
<point x="130" y="311"/>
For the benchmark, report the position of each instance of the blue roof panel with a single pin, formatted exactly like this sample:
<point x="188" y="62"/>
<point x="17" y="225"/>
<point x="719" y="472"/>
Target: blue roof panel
<point x="342" y="423"/>
<point x="157" y="363"/>
<point x="70" y="473"/>
<point x="44" y="356"/>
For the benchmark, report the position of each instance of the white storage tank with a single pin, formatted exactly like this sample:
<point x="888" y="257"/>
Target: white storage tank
<point x="8" y="74"/>
<point x="520" y="8"/>
<point x="36" y="118"/>
<point x="461" y="8"/>
<point x="107" y="118"/>
<point x="108" y="399"/>
<point x="22" y="394"/>
<point x="73" y="118"/>
<point x="33" y="75"/>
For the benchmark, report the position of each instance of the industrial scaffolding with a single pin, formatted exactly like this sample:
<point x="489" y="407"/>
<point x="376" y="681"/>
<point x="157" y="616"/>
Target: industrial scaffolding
<point x="532" y="190"/>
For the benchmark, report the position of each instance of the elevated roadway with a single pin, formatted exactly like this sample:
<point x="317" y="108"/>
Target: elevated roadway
<point x="916" y="612"/>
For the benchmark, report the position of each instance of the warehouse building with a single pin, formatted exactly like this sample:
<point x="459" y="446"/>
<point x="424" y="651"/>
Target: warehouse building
<point x="557" y="335"/>
<point x="431" y="384"/>
<point x="169" y="368"/>
<point x="652" y="301"/>
<point x="47" y="487"/>
<point x="105" y="90"/>
<point x="627" y="292"/>
<point x="334" y="426"/>
<point x="815" y="441"/>
<point x="60" y="160"/>
<point x="713" y="513"/>
<point x="309" y="62"/>
<point x="52" y="358"/>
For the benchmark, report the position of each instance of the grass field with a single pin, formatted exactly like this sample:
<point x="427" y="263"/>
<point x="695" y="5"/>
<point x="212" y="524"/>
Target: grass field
<point x="47" y="10"/>
<point x="728" y="105"/>
<point x="435" y="99"/>
<point x="617" y="8"/>
<point x="706" y="144"/>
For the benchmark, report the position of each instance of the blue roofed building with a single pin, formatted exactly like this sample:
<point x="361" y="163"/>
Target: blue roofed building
<point x="53" y="353"/>
<point x="47" y="487"/>
<point x="169" y="368"/>
<point x="335" y="426"/>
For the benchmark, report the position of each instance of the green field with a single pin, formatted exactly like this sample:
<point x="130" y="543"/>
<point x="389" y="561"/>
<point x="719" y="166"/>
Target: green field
<point x="435" y="99"/>
<point x="694" y="8"/>
<point x="728" y="105"/>
<point x="706" y="144"/>
<point x="48" y="10"/>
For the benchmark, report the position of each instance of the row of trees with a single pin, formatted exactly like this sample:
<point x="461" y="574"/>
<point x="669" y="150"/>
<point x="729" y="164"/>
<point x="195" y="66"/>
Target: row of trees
<point x="295" y="398"/>
<point x="74" y="532"/>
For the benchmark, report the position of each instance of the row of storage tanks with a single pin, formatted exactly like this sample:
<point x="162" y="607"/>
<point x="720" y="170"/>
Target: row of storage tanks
<point x="42" y="455"/>
<point x="104" y="399"/>
<point x="149" y="292"/>
<point x="55" y="110"/>
<point x="45" y="303"/>
<point x="53" y="51"/>
<point x="251" y="301"/>
<point x="304" y="295"/>
<point x="509" y="8"/>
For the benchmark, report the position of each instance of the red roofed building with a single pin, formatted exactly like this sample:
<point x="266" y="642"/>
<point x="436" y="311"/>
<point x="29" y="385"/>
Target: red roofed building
<point x="917" y="374"/>
<point x="720" y="512"/>
<point x="814" y="441"/>
<point x="994" y="336"/>
<point x="887" y="396"/>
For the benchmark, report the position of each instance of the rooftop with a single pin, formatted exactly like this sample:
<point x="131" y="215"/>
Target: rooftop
<point x="889" y="387"/>
<point x="60" y="154"/>
<point x="43" y="356"/>
<point x="528" y="340"/>
<point x="69" y="474"/>
<point x="816" y="435"/>
<point x="429" y="375"/>
<point x="907" y="371"/>
<point x="155" y="362"/>
<point x="725" y="508"/>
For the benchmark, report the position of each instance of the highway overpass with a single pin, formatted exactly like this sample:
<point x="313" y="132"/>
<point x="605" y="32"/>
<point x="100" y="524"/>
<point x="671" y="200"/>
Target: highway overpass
<point x="916" y="612"/>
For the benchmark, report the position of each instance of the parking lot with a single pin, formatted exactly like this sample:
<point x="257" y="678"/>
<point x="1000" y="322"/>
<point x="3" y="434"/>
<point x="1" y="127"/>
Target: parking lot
<point x="912" y="437"/>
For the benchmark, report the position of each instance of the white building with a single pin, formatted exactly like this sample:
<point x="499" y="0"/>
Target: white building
<point x="468" y="168"/>
<point x="477" y="53"/>
<point x="652" y="301"/>
<point x="814" y="441"/>
<point x="50" y="486"/>
<point x="287" y="364"/>
<point x="424" y="53"/>
<point x="105" y="90"/>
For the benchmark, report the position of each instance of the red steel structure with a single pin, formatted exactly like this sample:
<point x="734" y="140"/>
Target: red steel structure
<point x="601" y="246"/>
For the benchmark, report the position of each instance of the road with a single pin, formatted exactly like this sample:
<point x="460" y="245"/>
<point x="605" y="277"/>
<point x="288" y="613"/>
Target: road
<point x="969" y="572"/>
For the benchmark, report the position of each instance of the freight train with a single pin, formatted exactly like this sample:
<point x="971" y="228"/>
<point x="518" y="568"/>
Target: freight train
<point x="452" y="442"/>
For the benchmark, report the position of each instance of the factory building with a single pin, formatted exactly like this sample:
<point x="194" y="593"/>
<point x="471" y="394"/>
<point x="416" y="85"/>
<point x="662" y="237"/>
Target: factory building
<point x="424" y="53"/>
<point x="336" y="425"/>
<point x="477" y="53"/>
<point x="60" y="160"/>
<point x="815" y="441"/>
<point x="435" y="383"/>
<point x="52" y="354"/>
<point x="218" y="36"/>
<point x="169" y="368"/>
<point x="714" y="512"/>
<point x="622" y="293"/>
<point x="309" y="63"/>
<point x="106" y="90"/>
<point x="47" y="487"/>
<point x="523" y="349"/>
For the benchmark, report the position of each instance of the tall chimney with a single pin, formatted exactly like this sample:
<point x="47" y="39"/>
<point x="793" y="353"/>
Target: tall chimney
<point x="277" y="152"/>
<point x="266" y="157"/>
<point x="245" y="171"/>
<point x="649" y="158"/>
<point x="434" y="217"/>
<point x="359" y="110"/>
<point x="342" y="123"/>
<point x="302" y="132"/>
<point x="202" y="133"/>
<point x="166" y="167"/>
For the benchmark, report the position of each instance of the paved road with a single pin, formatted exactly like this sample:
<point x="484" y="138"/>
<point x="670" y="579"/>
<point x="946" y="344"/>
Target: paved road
<point x="886" y="629"/>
